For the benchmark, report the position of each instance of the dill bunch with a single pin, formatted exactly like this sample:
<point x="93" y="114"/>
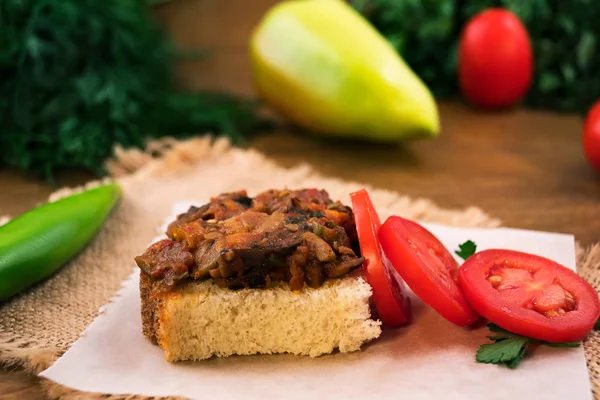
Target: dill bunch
<point x="79" y="76"/>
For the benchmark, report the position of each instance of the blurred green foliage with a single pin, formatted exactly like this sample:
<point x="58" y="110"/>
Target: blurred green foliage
<point x="79" y="76"/>
<point x="423" y="32"/>
<point x="564" y="35"/>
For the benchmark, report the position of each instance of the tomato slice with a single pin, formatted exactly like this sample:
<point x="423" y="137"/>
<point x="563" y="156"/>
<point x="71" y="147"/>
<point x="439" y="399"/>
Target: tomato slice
<point x="389" y="291"/>
<point x="427" y="267"/>
<point x="530" y="295"/>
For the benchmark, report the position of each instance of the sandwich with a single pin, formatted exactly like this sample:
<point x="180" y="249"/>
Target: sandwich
<point x="277" y="273"/>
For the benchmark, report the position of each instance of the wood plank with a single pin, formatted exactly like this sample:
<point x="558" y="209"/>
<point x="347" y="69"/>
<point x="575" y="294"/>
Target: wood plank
<point x="222" y="28"/>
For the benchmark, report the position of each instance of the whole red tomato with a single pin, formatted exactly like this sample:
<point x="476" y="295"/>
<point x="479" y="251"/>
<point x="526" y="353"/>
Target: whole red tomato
<point x="591" y="136"/>
<point x="495" y="59"/>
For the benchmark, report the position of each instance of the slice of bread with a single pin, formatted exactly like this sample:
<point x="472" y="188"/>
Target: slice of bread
<point x="200" y="320"/>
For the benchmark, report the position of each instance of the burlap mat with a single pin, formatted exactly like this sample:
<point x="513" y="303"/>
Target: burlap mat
<point x="39" y="326"/>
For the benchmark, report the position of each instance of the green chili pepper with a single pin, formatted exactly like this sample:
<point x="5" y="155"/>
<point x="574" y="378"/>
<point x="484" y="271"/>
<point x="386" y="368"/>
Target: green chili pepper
<point x="36" y="244"/>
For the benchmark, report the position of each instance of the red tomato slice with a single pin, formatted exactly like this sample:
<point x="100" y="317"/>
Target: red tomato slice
<point x="389" y="292"/>
<point x="530" y="295"/>
<point x="427" y="267"/>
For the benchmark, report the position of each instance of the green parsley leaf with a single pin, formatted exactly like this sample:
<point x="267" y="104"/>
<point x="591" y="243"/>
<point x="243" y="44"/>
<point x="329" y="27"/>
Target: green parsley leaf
<point x="467" y="249"/>
<point x="509" y="348"/>
<point x="496" y="329"/>
<point x="502" y="352"/>
<point x="498" y="338"/>
<point x="512" y="364"/>
<point x="597" y="325"/>
<point x="563" y="344"/>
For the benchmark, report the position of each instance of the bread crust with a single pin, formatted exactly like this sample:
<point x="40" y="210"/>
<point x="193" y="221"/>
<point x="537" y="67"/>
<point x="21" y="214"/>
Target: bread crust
<point x="150" y="307"/>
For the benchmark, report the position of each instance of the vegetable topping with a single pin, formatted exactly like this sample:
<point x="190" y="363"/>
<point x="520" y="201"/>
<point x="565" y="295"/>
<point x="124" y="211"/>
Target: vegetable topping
<point x="281" y="235"/>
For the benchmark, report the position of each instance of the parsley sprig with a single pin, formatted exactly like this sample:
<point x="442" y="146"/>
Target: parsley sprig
<point x="466" y="250"/>
<point x="509" y="348"/>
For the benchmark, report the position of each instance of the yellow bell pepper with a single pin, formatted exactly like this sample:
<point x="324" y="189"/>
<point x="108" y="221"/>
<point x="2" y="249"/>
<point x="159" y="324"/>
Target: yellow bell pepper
<point x="325" y="68"/>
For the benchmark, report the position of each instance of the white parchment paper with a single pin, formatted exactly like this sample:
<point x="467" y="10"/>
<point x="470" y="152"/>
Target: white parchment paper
<point x="430" y="359"/>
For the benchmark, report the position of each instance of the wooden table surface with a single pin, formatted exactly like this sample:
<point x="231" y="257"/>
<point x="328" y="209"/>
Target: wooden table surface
<point x="524" y="167"/>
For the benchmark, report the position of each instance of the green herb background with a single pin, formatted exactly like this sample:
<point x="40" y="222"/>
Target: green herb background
<point x="564" y="36"/>
<point x="79" y="76"/>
